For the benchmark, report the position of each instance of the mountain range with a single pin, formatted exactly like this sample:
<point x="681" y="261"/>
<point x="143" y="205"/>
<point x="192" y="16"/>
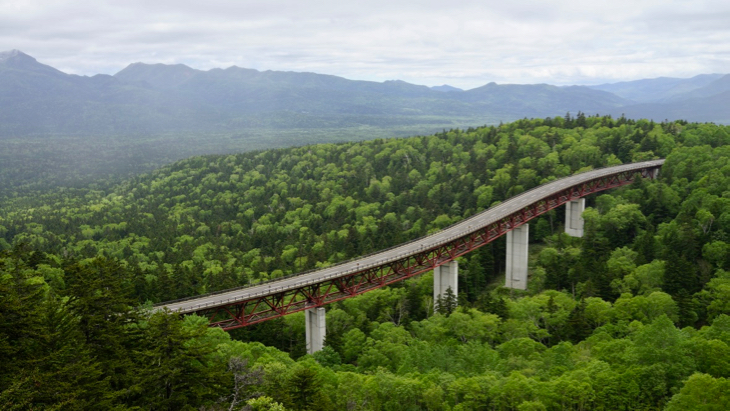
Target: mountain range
<point x="149" y="99"/>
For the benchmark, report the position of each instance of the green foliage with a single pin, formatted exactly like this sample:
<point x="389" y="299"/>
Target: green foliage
<point x="264" y="404"/>
<point x="599" y="327"/>
<point x="446" y="303"/>
<point x="701" y="392"/>
<point x="45" y="359"/>
<point x="180" y="368"/>
<point x="221" y="221"/>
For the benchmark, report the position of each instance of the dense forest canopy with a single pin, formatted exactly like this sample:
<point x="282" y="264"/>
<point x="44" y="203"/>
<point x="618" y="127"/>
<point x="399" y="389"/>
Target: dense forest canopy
<point x="634" y="315"/>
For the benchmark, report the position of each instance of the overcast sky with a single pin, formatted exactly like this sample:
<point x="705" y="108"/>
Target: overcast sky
<point x="462" y="43"/>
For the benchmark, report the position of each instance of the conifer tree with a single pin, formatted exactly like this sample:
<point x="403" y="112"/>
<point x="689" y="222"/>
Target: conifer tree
<point x="578" y="326"/>
<point x="447" y="302"/>
<point x="99" y="296"/>
<point x="174" y="365"/>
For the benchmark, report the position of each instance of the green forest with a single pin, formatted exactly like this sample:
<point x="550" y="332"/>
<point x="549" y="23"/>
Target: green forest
<point x="633" y="316"/>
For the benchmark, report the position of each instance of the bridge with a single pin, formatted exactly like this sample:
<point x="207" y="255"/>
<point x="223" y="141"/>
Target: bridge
<point x="311" y="290"/>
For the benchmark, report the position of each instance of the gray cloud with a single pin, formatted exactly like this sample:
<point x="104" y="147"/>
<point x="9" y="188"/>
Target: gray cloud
<point x="463" y="43"/>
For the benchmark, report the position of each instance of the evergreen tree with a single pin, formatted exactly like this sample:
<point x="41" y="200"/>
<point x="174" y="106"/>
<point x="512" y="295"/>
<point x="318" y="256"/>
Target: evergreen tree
<point x="679" y="275"/>
<point x="498" y="306"/>
<point x="99" y="296"/>
<point x="414" y="303"/>
<point x="174" y="365"/>
<point x="645" y="244"/>
<point x="306" y="394"/>
<point x="577" y="326"/>
<point x="446" y="303"/>
<point x="46" y="362"/>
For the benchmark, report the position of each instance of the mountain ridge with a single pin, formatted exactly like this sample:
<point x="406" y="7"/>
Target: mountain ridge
<point x="158" y="98"/>
<point x="657" y="89"/>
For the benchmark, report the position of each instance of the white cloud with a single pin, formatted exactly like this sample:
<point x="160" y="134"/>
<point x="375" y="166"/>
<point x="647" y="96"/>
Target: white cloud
<point x="463" y="43"/>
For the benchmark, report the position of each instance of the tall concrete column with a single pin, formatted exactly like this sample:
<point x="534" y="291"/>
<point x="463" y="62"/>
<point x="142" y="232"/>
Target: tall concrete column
<point x="517" y="242"/>
<point x="315" y="329"/>
<point x="573" y="217"/>
<point x="445" y="276"/>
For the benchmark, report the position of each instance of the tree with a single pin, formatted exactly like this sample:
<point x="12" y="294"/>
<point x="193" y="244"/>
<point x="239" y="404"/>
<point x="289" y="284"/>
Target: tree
<point x="578" y="327"/>
<point x="679" y="275"/>
<point x="446" y="303"/>
<point x="701" y="392"/>
<point x="245" y="382"/>
<point x="46" y="361"/>
<point x="264" y="404"/>
<point x="174" y="363"/>
<point x="718" y="293"/>
<point x="99" y="297"/>
<point x="305" y="388"/>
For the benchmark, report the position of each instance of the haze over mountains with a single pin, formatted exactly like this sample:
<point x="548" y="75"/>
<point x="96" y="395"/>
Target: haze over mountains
<point x="148" y="99"/>
<point x="659" y="90"/>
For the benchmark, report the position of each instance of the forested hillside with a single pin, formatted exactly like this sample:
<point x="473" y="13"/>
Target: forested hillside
<point x="635" y="315"/>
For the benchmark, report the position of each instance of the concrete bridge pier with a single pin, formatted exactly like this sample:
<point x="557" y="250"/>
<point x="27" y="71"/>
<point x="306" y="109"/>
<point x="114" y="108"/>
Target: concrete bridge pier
<point x="315" y="329"/>
<point x="517" y="243"/>
<point x="573" y="217"/>
<point x="445" y="276"/>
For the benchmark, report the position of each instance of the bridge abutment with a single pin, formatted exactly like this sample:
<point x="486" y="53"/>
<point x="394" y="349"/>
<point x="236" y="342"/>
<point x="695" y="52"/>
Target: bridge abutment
<point x="314" y="323"/>
<point x="517" y="243"/>
<point x="445" y="276"/>
<point x="573" y="217"/>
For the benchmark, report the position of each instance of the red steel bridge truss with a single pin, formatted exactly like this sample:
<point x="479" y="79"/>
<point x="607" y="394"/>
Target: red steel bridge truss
<point x="232" y="315"/>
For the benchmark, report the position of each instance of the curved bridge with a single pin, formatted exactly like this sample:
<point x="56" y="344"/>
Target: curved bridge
<point x="252" y="304"/>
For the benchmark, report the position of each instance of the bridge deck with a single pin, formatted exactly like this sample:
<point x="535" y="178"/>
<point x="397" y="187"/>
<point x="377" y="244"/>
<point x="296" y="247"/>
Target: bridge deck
<point x="470" y="225"/>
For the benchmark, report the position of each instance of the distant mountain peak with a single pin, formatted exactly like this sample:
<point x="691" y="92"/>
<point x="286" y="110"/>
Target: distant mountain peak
<point x="7" y="55"/>
<point x="158" y="75"/>
<point x="446" y="88"/>
<point x="140" y="65"/>
<point x="16" y="60"/>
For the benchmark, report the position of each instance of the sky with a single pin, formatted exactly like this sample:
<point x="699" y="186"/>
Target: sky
<point x="465" y="44"/>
